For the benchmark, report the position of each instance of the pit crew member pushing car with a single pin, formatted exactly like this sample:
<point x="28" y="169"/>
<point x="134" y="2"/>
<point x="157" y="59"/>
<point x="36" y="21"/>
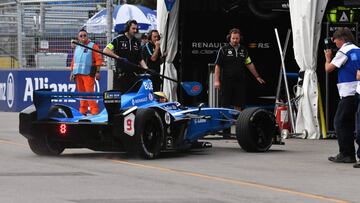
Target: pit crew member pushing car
<point x="127" y="47"/>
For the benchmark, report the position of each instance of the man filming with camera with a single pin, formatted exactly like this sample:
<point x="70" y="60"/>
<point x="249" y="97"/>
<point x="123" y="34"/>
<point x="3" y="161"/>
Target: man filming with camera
<point x="347" y="62"/>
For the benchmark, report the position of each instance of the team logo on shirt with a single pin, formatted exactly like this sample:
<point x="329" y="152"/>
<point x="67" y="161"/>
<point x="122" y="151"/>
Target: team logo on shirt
<point x="123" y="44"/>
<point x="230" y="53"/>
<point x="136" y="47"/>
<point x="242" y="54"/>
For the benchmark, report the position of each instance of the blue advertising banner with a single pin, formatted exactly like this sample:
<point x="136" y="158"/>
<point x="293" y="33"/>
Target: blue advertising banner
<point x="17" y="86"/>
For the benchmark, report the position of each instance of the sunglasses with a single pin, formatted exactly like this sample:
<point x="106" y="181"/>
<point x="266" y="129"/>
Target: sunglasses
<point x="82" y="36"/>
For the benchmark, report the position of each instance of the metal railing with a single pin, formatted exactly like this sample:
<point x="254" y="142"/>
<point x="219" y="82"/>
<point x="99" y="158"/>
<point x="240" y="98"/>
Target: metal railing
<point x="37" y="33"/>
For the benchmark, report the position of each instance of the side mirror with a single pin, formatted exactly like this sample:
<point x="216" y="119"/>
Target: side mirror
<point x="200" y="106"/>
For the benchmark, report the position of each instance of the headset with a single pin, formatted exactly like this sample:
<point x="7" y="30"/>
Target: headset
<point x="231" y="31"/>
<point x="128" y="24"/>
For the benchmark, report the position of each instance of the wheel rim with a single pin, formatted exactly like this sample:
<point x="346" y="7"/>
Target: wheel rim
<point x="151" y="137"/>
<point x="263" y="130"/>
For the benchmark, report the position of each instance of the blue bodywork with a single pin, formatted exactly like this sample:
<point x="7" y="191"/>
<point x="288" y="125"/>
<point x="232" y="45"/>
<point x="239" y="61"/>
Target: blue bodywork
<point x="181" y="125"/>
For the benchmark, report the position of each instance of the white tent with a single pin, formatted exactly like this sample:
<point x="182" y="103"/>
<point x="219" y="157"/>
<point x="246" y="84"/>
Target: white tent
<point x="170" y="88"/>
<point x="306" y="17"/>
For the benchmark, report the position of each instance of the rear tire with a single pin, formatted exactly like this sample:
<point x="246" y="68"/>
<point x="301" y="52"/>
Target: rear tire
<point x="255" y="129"/>
<point x="44" y="148"/>
<point x="149" y="133"/>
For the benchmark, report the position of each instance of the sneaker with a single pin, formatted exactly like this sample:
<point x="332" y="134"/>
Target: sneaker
<point x="340" y="158"/>
<point x="357" y="165"/>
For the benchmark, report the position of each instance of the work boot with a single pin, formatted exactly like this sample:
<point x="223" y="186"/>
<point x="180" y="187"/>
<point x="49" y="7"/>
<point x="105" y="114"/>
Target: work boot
<point x="340" y="158"/>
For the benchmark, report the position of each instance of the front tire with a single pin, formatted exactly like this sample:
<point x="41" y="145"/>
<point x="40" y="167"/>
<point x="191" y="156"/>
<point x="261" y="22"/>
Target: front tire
<point x="255" y="129"/>
<point x="149" y="131"/>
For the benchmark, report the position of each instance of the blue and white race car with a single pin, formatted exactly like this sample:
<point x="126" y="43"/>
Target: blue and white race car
<point x="139" y="123"/>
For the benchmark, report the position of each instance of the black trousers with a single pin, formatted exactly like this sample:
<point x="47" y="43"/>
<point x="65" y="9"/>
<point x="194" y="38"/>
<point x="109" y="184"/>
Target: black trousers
<point x="232" y="93"/>
<point x="344" y="123"/>
<point x="358" y="127"/>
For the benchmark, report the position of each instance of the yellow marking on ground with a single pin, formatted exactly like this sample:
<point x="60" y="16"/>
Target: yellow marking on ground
<point x="235" y="182"/>
<point x="12" y="143"/>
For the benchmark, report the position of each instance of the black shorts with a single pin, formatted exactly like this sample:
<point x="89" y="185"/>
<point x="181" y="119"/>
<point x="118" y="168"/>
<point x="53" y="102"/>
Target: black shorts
<point x="232" y="93"/>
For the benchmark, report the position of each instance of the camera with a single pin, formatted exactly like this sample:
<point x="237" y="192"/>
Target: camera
<point x="329" y="44"/>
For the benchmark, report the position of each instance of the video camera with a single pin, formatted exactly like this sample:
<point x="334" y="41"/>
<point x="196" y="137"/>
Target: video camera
<point x="329" y="44"/>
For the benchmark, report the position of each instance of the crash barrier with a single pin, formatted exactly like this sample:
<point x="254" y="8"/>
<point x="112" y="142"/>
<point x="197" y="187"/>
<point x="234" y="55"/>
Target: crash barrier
<point x="17" y="86"/>
<point x="213" y="94"/>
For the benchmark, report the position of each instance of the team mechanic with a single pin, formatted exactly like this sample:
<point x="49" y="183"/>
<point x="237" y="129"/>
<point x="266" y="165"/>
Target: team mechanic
<point x="229" y="72"/>
<point x="128" y="47"/>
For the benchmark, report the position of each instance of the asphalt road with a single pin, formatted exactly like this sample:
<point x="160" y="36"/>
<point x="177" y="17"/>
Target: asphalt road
<point x="296" y="172"/>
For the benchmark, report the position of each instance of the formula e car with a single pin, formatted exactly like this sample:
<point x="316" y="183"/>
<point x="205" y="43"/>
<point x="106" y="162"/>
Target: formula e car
<point x="138" y="123"/>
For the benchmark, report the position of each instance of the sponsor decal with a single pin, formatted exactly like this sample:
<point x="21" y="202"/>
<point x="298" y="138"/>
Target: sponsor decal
<point x="7" y="90"/>
<point x="36" y="83"/>
<point x="195" y="88"/>
<point x="170" y="107"/>
<point x="140" y="100"/>
<point x="10" y="90"/>
<point x="151" y="97"/>
<point x="148" y="85"/>
<point x="199" y="120"/>
<point x="259" y="45"/>
<point x="129" y="121"/>
<point x="206" y="48"/>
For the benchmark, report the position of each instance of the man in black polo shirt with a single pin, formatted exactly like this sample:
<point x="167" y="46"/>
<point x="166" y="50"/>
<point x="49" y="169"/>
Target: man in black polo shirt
<point x="230" y="70"/>
<point x="128" y="47"/>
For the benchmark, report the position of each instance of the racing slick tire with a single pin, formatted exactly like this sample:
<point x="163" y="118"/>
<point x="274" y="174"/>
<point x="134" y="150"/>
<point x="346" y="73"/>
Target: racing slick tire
<point x="255" y="129"/>
<point x="149" y="133"/>
<point x="42" y="146"/>
<point x="45" y="148"/>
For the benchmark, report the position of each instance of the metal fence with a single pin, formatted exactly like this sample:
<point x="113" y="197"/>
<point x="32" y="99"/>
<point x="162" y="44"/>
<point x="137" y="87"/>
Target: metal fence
<point x="37" y="33"/>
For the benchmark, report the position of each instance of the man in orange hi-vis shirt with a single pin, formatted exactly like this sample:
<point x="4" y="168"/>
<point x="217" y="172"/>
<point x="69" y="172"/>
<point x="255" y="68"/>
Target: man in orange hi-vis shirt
<point x="85" y="68"/>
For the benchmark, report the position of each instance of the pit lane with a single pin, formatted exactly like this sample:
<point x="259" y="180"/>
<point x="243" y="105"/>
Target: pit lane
<point x="296" y="172"/>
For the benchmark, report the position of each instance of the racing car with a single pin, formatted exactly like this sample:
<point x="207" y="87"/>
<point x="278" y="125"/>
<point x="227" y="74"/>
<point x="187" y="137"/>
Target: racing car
<point x="139" y="122"/>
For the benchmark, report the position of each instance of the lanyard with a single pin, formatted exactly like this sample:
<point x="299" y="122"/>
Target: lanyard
<point x="148" y="49"/>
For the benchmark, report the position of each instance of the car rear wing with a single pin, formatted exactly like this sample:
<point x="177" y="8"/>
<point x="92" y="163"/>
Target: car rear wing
<point x="43" y="99"/>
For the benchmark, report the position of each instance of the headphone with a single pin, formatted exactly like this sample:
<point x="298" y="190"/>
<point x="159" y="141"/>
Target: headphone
<point x="128" y="25"/>
<point x="232" y="31"/>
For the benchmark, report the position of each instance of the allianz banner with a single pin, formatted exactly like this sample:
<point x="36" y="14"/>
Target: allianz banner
<point x="17" y="86"/>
